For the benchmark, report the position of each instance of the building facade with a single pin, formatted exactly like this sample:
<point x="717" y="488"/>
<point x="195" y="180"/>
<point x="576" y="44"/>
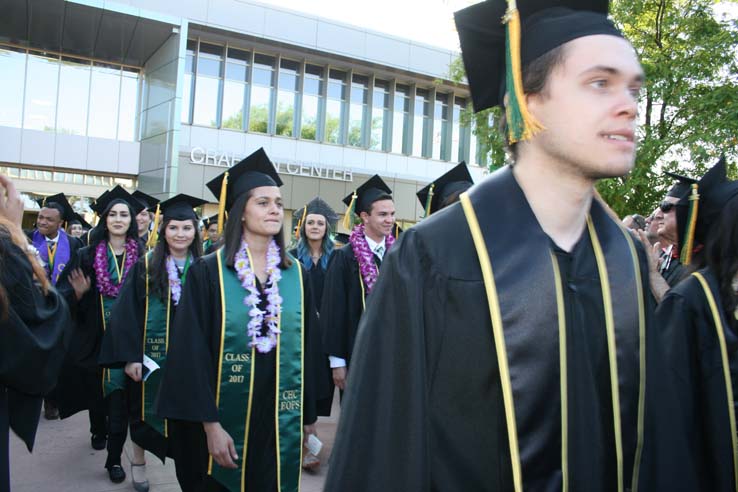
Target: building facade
<point x="163" y="95"/>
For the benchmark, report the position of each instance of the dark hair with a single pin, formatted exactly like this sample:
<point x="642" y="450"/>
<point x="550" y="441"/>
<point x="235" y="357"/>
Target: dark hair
<point x="100" y="232"/>
<point x="535" y="79"/>
<point x="368" y="208"/>
<point x="157" y="263"/>
<point x="57" y="207"/>
<point x="234" y="233"/>
<point x="721" y="256"/>
<point x="327" y="246"/>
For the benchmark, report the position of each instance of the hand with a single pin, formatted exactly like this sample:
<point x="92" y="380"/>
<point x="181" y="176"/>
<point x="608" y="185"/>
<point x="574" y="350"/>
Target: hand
<point x="339" y="377"/>
<point x="11" y="204"/>
<point x="307" y="430"/>
<point x="652" y="252"/>
<point x="80" y="283"/>
<point x="133" y="370"/>
<point x="220" y="445"/>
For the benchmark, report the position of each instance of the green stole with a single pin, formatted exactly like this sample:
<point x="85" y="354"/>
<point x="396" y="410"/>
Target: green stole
<point x="234" y="390"/>
<point x="155" y="343"/>
<point x="113" y="379"/>
<point x="500" y="220"/>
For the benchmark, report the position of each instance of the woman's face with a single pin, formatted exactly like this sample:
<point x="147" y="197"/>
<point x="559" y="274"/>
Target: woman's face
<point x="264" y="213"/>
<point x="143" y="220"/>
<point x="179" y="235"/>
<point x="119" y="219"/>
<point x="315" y="227"/>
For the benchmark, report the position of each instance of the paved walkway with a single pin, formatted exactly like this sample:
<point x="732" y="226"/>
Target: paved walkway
<point x="63" y="461"/>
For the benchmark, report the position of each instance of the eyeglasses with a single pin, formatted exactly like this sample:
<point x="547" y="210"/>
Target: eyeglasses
<point x="666" y="206"/>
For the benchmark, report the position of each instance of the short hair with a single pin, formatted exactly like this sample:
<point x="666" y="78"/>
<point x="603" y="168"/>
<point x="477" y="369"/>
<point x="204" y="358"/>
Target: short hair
<point x="57" y="207"/>
<point x="368" y="207"/>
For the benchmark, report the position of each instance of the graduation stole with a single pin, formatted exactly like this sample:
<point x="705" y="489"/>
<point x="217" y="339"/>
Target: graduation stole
<point x="234" y="389"/>
<point x="526" y="338"/>
<point x="56" y="259"/>
<point x="113" y="379"/>
<point x="720" y="331"/>
<point x="155" y="343"/>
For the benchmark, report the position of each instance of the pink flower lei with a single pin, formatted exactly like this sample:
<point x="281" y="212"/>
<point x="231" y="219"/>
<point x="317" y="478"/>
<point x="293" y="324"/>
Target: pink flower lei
<point x="242" y="263"/>
<point x="105" y="284"/>
<point x="365" y="256"/>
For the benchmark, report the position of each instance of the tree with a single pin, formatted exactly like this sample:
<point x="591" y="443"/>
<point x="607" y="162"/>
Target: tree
<point x="689" y="104"/>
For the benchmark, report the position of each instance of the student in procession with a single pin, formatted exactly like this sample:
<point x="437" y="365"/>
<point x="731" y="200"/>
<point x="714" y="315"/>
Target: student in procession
<point x="504" y="346"/>
<point x="445" y="190"/>
<point x="353" y="270"/>
<point x="239" y="364"/>
<point x="140" y="328"/>
<point x="314" y="250"/>
<point x="78" y="226"/>
<point x="34" y="331"/>
<point x="91" y="283"/>
<point x="145" y="217"/>
<point x="212" y="234"/>
<point x="55" y="248"/>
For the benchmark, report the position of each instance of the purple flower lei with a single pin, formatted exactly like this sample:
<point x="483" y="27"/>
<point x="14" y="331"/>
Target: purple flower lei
<point x="246" y="275"/>
<point x="104" y="283"/>
<point x="175" y="283"/>
<point x="365" y="256"/>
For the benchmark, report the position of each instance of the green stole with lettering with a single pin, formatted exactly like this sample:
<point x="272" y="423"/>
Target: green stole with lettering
<point x="113" y="379"/>
<point x="155" y="343"/>
<point x="234" y="390"/>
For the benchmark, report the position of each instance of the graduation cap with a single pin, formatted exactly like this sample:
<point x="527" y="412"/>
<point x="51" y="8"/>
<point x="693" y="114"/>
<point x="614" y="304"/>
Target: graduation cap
<point x="117" y="194"/>
<point x="253" y="171"/>
<point x="208" y="221"/>
<point x="78" y="219"/>
<point x="57" y="202"/>
<point x="316" y="206"/>
<point x="361" y="198"/>
<point x="435" y="194"/>
<point x="95" y="207"/>
<point x="498" y="38"/>
<point x="682" y="187"/>
<point x="148" y="201"/>
<point x="341" y="238"/>
<point x="180" y="207"/>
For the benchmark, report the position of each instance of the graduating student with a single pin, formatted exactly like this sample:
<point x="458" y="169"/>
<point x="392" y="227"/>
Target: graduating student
<point x="145" y="217"/>
<point x="504" y="345"/>
<point x="78" y="226"/>
<point x="139" y="328"/>
<point x="212" y="232"/>
<point x="239" y="364"/>
<point x="34" y="324"/>
<point x="445" y="190"/>
<point x="91" y="283"/>
<point x="353" y="270"/>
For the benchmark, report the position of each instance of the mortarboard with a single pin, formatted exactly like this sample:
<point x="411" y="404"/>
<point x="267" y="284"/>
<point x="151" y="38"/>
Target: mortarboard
<point x="433" y="196"/>
<point x="208" y="221"/>
<point x="78" y="219"/>
<point x="117" y="194"/>
<point x="180" y="207"/>
<point x="148" y="201"/>
<point x="58" y="202"/>
<point x="682" y="187"/>
<point x="498" y="38"/>
<point x="341" y="238"/>
<point x="361" y="199"/>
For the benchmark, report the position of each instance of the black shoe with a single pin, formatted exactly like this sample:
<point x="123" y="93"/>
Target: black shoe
<point x="99" y="441"/>
<point x="116" y="474"/>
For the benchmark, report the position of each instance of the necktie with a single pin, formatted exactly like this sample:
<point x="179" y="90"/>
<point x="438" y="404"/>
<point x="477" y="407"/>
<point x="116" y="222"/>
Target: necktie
<point x="379" y="251"/>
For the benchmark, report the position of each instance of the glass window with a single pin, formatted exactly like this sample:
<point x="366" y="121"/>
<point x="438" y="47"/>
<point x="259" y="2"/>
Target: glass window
<point x="458" y="134"/>
<point x="128" y="104"/>
<point x="261" y="93"/>
<point x="104" y="94"/>
<point x="440" y="128"/>
<point x="74" y="94"/>
<point x="207" y="84"/>
<point x="380" y="115"/>
<point x="421" y="124"/>
<point x="358" y="109"/>
<point x="334" y="106"/>
<point x="401" y="119"/>
<point x="41" y="88"/>
<point x="234" y="88"/>
<point x="12" y="85"/>
<point x="189" y="80"/>
<point x="289" y="84"/>
<point x="311" y="95"/>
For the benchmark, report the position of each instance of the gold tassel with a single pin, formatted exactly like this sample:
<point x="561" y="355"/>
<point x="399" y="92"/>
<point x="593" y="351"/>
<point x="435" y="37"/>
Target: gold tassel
<point x="347" y="219"/>
<point x="154" y="236"/>
<point x="300" y="222"/>
<point x="222" y="203"/>
<point x="694" y="205"/>
<point x="429" y="200"/>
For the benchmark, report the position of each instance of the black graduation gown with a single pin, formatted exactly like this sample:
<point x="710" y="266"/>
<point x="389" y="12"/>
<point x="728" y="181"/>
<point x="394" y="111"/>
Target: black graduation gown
<point x="695" y="449"/>
<point x="424" y="407"/>
<point x="33" y="339"/>
<point x="342" y="304"/>
<point x="188" y="385"/>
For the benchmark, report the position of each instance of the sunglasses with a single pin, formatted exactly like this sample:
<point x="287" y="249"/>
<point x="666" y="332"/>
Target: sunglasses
<point x="667" y="206"/>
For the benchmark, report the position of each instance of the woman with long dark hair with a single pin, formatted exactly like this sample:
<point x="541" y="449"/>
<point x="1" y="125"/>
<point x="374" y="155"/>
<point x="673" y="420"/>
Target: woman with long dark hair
<point x="139" y="329"/>
<point x="91" y="283"/>
<point x="239" y="362"/>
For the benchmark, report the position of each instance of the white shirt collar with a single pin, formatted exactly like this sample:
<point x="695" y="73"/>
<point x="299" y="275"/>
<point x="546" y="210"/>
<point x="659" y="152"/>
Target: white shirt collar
<point x="373" y="245"/>
<point x="56" y="239"/>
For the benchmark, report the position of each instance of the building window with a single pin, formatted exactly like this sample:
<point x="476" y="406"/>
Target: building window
<point x="311" y="96"/>
<point x="289" y="85"/>
<point x="401" y="120"/>
<point x="380" y="116"/>
<point x="334" y="106"/>
<point x="128" y="104"/>
<point x="207" y="84"/>
<point x="41" y="89"/>
<point x="458" y="133"/>
<point x="422" y="124"/>
<point x="12" y="86"/>
<point x="358" y="110"/>
<point x="235" y="88"/>
<point x="104" y="99"/>
<point x="74" y="92"/>
<point x="189" y="80"/>
<point x="441" y="128"/>
<point x="262" y="87"/>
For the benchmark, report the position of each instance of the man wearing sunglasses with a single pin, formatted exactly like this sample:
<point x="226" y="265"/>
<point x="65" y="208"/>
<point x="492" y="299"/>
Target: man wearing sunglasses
<point x="669" y="265"/>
